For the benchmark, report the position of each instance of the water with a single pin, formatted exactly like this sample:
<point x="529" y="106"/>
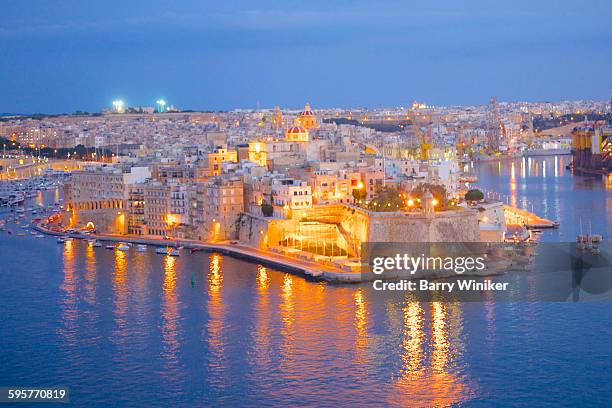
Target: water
<point x="128" y="329"/>
<point x="543" y="185"/>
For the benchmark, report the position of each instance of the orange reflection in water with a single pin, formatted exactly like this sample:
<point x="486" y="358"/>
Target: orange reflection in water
<point x="513" y="196"/>
<point x="361" y="320"/>
<point x="263" y="317"/>
<point x="120" y="290"/>
<point x="90" y="275"/>
<point x="69" y="307"/>
<point x="414" y="337"/>
<point x="170" y="343"/>
<point x="287" y="302"/>
<point x="430" y="383"/>
<point x="216" y="324"/>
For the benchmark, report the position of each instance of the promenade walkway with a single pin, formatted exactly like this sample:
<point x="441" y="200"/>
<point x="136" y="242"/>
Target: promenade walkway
<point x="305" y="268"/>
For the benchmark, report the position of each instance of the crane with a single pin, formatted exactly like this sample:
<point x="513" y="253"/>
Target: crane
<point x="425" y="143"/>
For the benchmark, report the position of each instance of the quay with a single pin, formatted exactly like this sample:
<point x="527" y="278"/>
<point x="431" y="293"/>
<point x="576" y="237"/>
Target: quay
<point x="307" y="269"/>
<point x="518" y="216"/>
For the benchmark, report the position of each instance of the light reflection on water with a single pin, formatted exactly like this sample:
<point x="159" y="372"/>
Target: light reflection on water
<point x="243" y="334"/>
<point x="545" y="186"/>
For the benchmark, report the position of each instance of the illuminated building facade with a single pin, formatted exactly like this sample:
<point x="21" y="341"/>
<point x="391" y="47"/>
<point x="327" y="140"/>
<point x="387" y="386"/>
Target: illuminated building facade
<point x="296" y="133"/>
<point x="219" y="156"/>
<point x="308" y="119"/>
<point x="289" y="195"/>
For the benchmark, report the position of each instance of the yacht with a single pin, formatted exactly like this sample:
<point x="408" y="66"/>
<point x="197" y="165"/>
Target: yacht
<point x="123" y="246"/>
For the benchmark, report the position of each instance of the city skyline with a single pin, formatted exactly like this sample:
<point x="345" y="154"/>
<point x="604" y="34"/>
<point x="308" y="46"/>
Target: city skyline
<point x="349" y="54"/>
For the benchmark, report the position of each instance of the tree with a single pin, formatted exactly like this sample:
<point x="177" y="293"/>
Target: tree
<point x="474" y="195"/>
<point x="359" y="194"/>
<point x="438" y="191"/>
<point x="387" y="199"/>
<point x="266" y="209"/>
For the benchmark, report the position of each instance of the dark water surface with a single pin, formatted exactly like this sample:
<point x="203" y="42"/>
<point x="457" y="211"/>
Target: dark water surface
<point x="128" y="329"/>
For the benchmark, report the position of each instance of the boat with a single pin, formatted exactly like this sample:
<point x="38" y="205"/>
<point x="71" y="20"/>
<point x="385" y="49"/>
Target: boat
<point x="161" y="251"/>
<point x="174" y="252"/>
<point x="61" y="240"/>
<point x="595" y="250"/>
<point x="123" y="246"/>
<point x="141" y="248"/>
<point x="21" y="234"/>
<point x="39" y="236"/>
<point x="110" y="247"/>
<point x="581" y="239"/>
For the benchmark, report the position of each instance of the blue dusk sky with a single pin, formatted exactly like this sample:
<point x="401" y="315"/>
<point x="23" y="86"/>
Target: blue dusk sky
<point x="60" y="56"/>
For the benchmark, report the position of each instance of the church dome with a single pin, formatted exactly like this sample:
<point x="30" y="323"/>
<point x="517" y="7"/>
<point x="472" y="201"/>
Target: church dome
<point x="307" y="111"/>
<point x="297" y="133"/>
<point x="296" y="129"/>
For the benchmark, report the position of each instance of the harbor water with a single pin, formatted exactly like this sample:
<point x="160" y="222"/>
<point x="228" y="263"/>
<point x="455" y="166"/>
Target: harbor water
<point x="140" y="329"/>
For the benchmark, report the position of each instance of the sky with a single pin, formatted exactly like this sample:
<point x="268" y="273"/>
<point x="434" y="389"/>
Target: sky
<point x="62" y="56"/>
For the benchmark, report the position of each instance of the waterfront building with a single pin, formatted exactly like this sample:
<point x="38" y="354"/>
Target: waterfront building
<point x="156" y="208"/>
<point x="223" y="202"/>
<point x="96" y="197"/>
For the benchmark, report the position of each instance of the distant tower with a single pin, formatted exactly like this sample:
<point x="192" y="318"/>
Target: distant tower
<point x="277" y="118"/>
<point x="308" y="118"/>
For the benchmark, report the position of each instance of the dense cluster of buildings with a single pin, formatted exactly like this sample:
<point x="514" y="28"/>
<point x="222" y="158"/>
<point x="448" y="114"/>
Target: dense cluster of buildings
<point x="285" y="178"/>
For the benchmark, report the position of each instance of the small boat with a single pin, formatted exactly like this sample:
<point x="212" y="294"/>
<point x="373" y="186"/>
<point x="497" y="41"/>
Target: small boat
<point x="595" y="250"/>
<point x="123" y="247"/>
<point x="39" y="236"/>
<point x="96" y="244"/>
<point x="174" y="252"/>
<point x="161" y="251"/>
<point x="110" y="247"/>
<point x="141" y="248"/>
<point x="21" y="234"/>
<point x="61" y="240"/>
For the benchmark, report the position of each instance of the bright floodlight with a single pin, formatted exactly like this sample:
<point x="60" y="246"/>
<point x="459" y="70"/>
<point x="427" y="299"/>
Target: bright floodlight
<point x="118" y="104"/>
<point x="161" y="102"/>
